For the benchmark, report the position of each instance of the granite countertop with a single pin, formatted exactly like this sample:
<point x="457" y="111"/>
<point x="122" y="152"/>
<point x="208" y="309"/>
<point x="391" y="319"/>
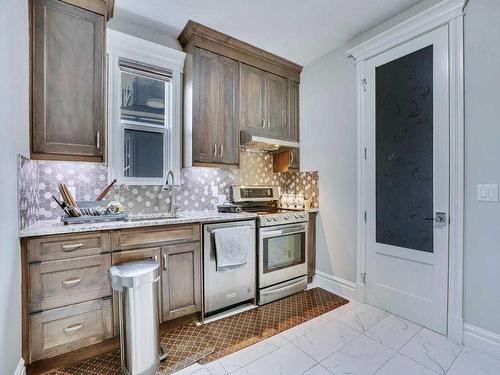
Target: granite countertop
<point x="49" y="227"/>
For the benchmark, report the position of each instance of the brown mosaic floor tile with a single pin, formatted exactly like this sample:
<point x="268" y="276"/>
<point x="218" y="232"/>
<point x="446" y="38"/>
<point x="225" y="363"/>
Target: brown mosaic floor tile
<point x="190" y="343"/>
<point x="236" y="332"/>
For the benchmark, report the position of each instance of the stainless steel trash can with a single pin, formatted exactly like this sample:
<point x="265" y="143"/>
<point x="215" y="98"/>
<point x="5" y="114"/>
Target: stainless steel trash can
<point x="136" y="283"/>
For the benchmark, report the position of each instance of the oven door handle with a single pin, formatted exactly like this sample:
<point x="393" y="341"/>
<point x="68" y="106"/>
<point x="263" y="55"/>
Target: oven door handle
<point x="281" y="232"/>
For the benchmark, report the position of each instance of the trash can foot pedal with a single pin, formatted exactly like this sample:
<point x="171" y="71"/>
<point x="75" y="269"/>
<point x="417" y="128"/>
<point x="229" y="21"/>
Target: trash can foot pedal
<point x="163" y="352"/>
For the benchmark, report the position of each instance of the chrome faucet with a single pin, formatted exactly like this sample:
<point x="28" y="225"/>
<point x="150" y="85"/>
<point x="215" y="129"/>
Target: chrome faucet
<point x="171" y="188"/>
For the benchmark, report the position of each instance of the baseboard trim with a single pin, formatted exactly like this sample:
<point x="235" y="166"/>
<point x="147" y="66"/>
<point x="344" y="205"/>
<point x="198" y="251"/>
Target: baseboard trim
<point x="482" y="340"/>
<point x="337" y="285"/>
<point x="20" y="369"/>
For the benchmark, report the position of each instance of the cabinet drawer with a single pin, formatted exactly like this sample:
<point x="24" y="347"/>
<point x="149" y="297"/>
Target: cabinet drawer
<point x="62" y="330"/>
<point x="155" y="236"/>
<point x="68" y="246"/>
<point x="64" y="282"/>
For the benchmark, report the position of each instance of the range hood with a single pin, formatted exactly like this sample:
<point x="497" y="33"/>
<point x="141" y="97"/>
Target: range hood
<point x="254" y="141"/>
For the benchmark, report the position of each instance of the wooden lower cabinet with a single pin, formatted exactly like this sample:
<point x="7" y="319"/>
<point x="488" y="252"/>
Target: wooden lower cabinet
<point x="61" y="330"/>
<point x="181" y="280"/>
<point x="311" y="247"/>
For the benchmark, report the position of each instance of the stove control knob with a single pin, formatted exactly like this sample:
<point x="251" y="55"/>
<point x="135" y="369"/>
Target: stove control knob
<point x="275" y="218"/>
<point x="297" y="216"/>
<point x="285" y="217"/>
<point x="268" y="219"/>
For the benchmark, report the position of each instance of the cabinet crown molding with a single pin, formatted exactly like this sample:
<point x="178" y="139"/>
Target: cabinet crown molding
<point x="245" y="51"/>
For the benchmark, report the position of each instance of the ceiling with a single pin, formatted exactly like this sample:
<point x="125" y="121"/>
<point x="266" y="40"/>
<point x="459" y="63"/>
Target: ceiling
<point x="298" y="30"/>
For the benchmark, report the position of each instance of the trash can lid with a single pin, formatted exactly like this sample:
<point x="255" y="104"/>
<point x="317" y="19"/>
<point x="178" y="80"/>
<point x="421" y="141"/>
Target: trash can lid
<point x="133" y="274"/>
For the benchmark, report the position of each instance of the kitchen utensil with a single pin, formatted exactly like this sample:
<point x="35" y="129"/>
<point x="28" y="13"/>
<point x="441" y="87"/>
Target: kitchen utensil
<point x="105" y="191"/>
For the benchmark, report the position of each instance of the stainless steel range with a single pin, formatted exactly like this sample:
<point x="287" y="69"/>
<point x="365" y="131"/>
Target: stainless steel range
<point x="282" y="242"/>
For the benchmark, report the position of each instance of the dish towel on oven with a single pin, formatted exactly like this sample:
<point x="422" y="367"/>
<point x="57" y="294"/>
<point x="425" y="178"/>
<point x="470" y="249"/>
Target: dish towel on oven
<point x="232" y="245"/>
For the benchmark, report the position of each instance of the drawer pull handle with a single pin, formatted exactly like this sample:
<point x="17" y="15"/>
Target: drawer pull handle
<point x="73" y="328"/>
<point x="72" y="282"/>
<point x="73" y="247"/>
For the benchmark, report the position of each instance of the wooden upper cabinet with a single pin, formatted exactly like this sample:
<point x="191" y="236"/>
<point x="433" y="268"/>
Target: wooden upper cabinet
<point x="214" y="110"/>
<point x="276" y="106"/>
<point x="68" y="80"/>
<point x="252" y="99"/>
<point x="293" y="110"/>
<point x="263" y="102"/>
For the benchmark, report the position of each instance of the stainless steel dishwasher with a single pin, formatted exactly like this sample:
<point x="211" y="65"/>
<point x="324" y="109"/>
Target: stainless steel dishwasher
<point x="224" y="289"/>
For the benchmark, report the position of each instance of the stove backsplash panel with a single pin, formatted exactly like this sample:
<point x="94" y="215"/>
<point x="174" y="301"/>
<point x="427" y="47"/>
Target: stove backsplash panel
<point x="39" y="180"/>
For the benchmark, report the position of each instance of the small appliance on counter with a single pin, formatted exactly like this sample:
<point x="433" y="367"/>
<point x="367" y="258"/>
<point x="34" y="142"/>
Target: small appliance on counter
<point x="228" y="208"/>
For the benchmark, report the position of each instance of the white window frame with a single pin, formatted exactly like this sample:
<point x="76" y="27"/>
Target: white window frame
<point x="124" y="46"/>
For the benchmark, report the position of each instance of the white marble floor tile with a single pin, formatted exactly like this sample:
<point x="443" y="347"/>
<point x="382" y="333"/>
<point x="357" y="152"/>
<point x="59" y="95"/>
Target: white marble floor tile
<point x="287" y="360"/>
<point x="363" y="317"/>
<point x="401" y="365"/>
<point x="243" y="357"/>
<point x="471" y="362"/>
<point x="317" y="370"/>
<point x="362" y="356"/>
<point x="212" y="368"/>
<point x="306" y="327"/>
<point x="325" y="339"/>
<point x="432" y="350"/>
<point x="393" y="331"/>
<point x="342" y="309"/>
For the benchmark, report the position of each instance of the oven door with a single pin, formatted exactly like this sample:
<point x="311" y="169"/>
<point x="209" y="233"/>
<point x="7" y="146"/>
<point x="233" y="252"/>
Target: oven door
<point x="282" y="253"/>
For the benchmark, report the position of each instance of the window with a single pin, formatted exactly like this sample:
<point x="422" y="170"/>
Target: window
<point x="144" y="110"/>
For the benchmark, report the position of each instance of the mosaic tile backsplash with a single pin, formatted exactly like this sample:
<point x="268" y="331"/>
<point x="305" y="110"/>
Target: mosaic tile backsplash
<point x="39" y="181"/>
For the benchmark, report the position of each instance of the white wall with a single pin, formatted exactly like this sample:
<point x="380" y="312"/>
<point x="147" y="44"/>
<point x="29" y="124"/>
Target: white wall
<point x="328" y="143"/>
<point x="482" y="133"/>
<point x="14" y="102"/>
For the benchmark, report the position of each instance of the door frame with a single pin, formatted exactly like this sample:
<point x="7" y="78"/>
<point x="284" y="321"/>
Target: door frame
<point x="447" y="12"/>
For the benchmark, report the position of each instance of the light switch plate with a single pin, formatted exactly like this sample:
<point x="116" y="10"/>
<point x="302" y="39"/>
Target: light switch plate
<point x="487" y="193"/>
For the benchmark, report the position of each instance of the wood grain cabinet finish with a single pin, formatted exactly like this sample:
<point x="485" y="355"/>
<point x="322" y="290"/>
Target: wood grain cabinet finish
<point x="62" y="330"/>
<point x="130" y="256"/>
<point x="68" y="82"/>
<point x="263" y="103"/>
<point x="56" y="247"/>
<point x="135" y="238"/>
<point x="64" y="282"/>
<point x="286" y="161"/>
<point x="181" y="280"/>
<point x="215" y="127"/>
<point x="293" y="110"/>
<point x="311" y="247"/>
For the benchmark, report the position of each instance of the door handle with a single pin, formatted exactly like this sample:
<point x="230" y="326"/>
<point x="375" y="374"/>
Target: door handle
<point x="262" y="123"/>
<point x="98" y="139"/>
<point x="74" y="327"/>
<point x="440" y="218"/>
<point x="291" y="157"/>
<point x="72" y="282"/>
<point x="164" y="261"/>
<point x="221" y="150"/>
<point x="215" y="150"/>
<point x="268" y="124"/>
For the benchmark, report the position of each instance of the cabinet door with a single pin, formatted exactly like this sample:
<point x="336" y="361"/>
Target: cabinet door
<point x="293" y="110"/>
<point x="205" y="113"/>
<point x="228" y="128"/>
<point x="252" y="91"/>
<point x="276" y="106"/>
<point x="68" y="82"/>
<point x="181" y="280"/>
